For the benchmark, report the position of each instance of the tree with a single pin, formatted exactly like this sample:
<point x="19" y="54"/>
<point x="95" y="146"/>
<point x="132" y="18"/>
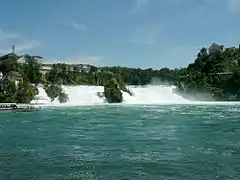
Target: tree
<point x="215" y="73"/>
<point x="31" y="70"/>
<point x="25" y="92"/>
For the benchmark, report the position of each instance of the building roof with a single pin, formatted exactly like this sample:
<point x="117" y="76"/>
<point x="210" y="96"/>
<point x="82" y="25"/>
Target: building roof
<point x="47" y="65"/>
<point x="40" y="57"/>
<point x="8" y="56"/>
<point x="27" y="55"/>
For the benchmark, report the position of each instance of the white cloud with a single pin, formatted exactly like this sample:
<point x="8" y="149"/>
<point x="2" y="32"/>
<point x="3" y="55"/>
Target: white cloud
<point x="22" y="44"/>
<point x="7" y="35"/>
<point x="139" y="5"/>
<point x="80" y="27"/>
<point x="234" y="5"/>
<point x="146" y="34"/>
<point x="83" y="59"/>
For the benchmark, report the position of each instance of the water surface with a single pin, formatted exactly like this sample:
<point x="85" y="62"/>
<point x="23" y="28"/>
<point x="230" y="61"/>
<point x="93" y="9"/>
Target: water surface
<point x="170" y="142"/>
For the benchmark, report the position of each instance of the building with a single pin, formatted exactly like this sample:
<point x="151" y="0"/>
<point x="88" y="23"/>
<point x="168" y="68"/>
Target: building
<point x="215" y="48"/>
<point x="9" y="56"/>
<point x="71" y="67"/>
<point x="19" y="59"/>
<point x="83" y="67"/>
<point x="45" y="68"/>
<point x="22" y="59"/>
<point x="13" y="76"/>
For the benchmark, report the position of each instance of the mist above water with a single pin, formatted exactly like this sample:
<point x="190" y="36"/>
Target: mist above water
<point x="150" y="94"/>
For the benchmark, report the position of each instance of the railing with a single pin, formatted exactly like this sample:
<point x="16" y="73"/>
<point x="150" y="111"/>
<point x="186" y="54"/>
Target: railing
<point x="212" y="74"/>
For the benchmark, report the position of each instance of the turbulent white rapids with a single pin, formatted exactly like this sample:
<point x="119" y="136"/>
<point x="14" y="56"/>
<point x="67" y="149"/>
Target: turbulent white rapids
<point x="87" y="95"/>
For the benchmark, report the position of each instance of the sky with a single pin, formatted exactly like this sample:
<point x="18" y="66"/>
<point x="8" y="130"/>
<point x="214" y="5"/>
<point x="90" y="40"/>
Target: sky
<point x="133" y="33"/>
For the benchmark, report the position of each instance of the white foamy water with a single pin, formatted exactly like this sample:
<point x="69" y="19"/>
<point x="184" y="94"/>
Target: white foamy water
<point x="151" y="94"/>
<point x="42" y="97"/>
<point x="84" y="95"/>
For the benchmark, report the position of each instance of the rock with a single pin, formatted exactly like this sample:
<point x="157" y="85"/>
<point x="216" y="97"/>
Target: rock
<point x="63" y="97"/>
<point x="55" y="91"/>
<point x="52" y="91"/>
<point x="100" y="94"/>
<point x="127" y="91"/>
<point x="112" y="91"/>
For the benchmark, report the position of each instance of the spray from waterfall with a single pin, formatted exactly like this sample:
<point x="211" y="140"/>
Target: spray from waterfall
<point x="87" y="95"/>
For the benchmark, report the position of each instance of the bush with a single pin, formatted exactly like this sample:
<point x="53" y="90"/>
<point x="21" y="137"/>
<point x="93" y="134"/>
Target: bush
<point x="25" y="92"/>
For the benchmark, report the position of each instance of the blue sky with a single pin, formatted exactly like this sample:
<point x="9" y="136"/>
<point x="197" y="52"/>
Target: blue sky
<point x="134" y="33"/>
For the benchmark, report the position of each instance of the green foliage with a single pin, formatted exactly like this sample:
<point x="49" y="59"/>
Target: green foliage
<point x="73" y="75"/>
<point x="55" y="91"/>
<point x="31" y="70"/>
<point x="26" y="92"/>
<point x="112" y="91"/>
<point x="69" y="75"/>
<point x="23" y="93"/>
<point x="9" y="65"/>
<point x="215" y="71"/>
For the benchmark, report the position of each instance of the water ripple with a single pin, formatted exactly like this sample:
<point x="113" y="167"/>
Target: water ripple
<point x="172" y="142"/>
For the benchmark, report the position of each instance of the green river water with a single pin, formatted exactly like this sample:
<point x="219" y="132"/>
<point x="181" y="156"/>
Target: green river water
<point x="155" y="142"/>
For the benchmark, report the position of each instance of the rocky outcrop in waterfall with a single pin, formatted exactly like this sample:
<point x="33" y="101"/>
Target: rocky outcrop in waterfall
<point x="112" y="91"/>
<point x="55" y="91"/>
<point x="113" y="88"/>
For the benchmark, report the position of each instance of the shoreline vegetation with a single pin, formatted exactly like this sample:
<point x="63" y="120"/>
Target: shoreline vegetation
<point x="214" y="75"/>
